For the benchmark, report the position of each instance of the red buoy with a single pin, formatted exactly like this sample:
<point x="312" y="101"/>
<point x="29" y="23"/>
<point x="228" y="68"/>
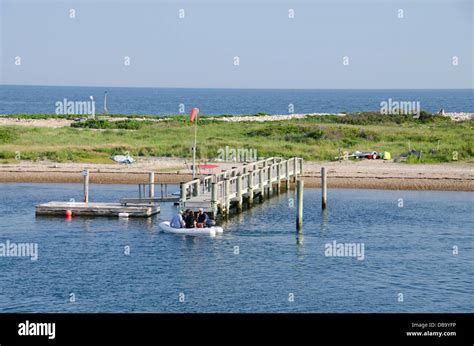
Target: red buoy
<point x="68" y="213"/>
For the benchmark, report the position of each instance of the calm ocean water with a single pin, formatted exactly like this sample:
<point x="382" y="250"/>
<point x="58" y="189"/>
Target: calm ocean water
<point x="408" y="250"/>
<point x="158" y="101"/>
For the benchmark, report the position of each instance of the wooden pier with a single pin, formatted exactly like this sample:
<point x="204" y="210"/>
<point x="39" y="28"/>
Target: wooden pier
<point x="215" y="193"/>
<point x="218" y="193"/>
<point x="97" y="209"/>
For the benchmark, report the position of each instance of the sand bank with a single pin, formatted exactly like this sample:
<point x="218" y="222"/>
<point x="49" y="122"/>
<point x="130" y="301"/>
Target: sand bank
<point x="365" y="174"/>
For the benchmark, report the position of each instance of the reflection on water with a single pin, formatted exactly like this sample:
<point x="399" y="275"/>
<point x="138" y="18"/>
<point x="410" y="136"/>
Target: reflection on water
<point x="253" y="266"/>
<point x="300" y="246"/>
<point x="324" y="221"/>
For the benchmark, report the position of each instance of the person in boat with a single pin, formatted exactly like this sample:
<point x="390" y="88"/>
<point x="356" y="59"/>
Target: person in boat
<point x="189" y="219"/>
<point x="177" y="220"/>
<point x="202" y="219"/>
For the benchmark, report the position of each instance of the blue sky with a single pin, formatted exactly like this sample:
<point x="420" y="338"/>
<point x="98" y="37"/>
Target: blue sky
<point x="274" y="51"/>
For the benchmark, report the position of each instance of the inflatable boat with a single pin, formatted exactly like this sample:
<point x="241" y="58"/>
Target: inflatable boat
<point x="209" y="231"/>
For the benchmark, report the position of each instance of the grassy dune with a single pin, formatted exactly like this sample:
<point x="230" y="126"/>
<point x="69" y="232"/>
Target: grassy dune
<point x="313" y="138"/>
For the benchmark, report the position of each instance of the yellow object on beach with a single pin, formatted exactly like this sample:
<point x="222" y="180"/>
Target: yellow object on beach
<point x="386" y="155"/>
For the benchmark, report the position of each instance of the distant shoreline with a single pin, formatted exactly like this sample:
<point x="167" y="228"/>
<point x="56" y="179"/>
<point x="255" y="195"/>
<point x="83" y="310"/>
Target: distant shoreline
<point x="359" y="175"/>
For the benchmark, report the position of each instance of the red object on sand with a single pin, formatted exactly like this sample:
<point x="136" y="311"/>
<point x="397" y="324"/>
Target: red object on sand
<point x="208" y="166"/>
<point x="194" y="114"/>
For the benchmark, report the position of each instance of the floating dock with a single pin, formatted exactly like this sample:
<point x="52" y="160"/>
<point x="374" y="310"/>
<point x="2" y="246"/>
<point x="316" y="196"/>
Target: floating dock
<point x="97" y="209"/>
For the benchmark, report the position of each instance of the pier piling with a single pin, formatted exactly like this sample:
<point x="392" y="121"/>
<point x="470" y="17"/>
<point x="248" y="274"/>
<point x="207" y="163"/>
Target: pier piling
<point x="183" y="192"/>
<point x="295" y="171"/>
<point x="226" y="195"/>
<point x="239" y="193"/>
<point x="250" y="189"/>
<point x="260" y="183"/>
<point x="323" y="188"/>
<point x="214" y="199"/>
<point x="278" y="179"/>
<point x="270" y="184"/>
<point x="152" y="184"/>
<point x="85" y="174"/>
<point x="299" y="204"/>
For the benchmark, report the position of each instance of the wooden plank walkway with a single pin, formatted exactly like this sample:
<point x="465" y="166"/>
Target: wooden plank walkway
<point x="97" y="209"/>
<point x="145" y="200"/>
<point x="218" y="192"/>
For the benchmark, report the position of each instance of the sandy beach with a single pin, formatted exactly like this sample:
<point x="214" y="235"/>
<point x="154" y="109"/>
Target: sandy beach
<point x="366" y="174"/>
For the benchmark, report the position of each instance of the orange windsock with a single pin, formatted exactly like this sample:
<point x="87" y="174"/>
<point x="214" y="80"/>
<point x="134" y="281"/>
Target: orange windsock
<point x="194" y="114"/>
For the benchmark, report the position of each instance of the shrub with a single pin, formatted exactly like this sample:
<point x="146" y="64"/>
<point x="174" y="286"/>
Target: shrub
<point x="7" y="135"/>
<point x="106" y="124"/>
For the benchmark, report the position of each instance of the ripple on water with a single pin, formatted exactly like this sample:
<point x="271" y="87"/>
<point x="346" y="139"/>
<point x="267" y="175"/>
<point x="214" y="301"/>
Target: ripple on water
<point x="406" y="250"/>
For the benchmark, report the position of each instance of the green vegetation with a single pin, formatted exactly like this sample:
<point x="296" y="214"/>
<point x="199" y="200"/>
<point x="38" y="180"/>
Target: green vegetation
<point x="7" y="135"/>
<point x="128" y="116"/>
<point x="106" y="124"/>
<point x="313" y="138"/>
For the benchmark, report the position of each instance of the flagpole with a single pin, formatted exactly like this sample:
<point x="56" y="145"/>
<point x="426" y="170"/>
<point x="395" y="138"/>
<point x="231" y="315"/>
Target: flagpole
<point x="105" y="103"/>
<point x="194" y="150"/>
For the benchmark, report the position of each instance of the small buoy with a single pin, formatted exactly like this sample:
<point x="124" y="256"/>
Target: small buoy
<point x="123" y="214"/>
<point x="68" y="213"/>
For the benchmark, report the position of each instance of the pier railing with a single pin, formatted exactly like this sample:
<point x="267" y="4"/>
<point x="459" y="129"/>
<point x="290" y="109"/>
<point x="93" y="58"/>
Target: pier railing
<point x="215" y="192"/>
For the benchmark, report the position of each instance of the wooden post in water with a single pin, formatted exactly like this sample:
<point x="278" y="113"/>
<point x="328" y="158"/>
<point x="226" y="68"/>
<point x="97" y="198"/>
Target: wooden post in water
<point x="260" y="183"/>
<point x="287" y="174"/>
<point x="239" y="193"/>
<point x="152" y="184"/>
<point x="278" y="178"/>
<point x="214" y="199"/>
<point x="196" y="186"/>
<point x="299" y="205"/>
<point x="182" y="187"/>
<point x="301" y="166"/>
<point x="270" y="185"/>
<point x="323" y="188"/>
<point x="250" y="188"/>
<point x="85" y="174"/>
<point x="295" y="175"/>
<point x="226" y="195"/>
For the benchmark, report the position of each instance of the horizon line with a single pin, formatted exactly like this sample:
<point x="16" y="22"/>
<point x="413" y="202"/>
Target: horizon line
<point x="221" y="88"/>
